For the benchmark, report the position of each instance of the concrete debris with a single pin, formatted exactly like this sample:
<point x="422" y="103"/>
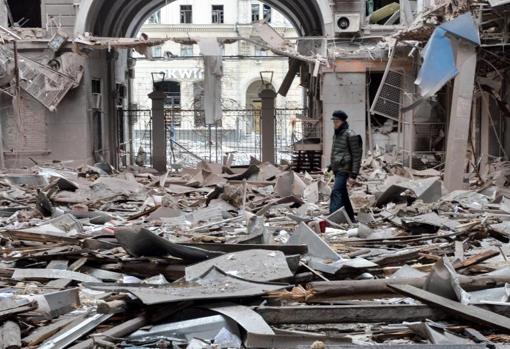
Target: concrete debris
<point x="90" y="267"/>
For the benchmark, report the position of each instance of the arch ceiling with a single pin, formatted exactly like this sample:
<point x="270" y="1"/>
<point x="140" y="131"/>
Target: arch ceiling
<point x="123" y="18"/>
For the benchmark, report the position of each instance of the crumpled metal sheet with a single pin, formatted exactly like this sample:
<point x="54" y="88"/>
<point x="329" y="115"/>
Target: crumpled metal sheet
<point x="46" y="85"/>
<point x="431" y="219"/>
<point x="465" y="27"/>
<point x="289" y="184"/>
<point x="438" y="64"/>
<point x="436" y="333"/>
<point x="247" y="318"/>
<point x="438" y="56"/>
<point x="497" y="294"/>
<point x="427" y="190"/>
<point x="444" y="282"/>
<point x="320" y="256"/>
<point x="67" y="336"/>
<point x="31" y="181"/>
<point x="205" y="328"/>
<point x="468" y="199"/>
<point x="214" y="284"/>
<point x="255" y="265"/>
<point x="65" y="226"/>
<point x="142" y="242"/>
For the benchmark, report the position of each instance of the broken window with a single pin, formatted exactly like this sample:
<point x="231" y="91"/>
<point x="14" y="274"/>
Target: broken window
<point x="155" y="18"/>
<point x="186" y="14"/>
<point x="217" y="14"/>
<point x="25" y="13"/>
<point x="267" y="13"/>
<point x="186" y="50"/>
<point x="255" y="12"/>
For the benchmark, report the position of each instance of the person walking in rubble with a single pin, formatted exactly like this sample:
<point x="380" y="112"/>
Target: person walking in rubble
<point x="345" y="162"/>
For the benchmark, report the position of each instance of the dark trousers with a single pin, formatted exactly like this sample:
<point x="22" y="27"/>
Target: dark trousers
<point x="340" y="196"/>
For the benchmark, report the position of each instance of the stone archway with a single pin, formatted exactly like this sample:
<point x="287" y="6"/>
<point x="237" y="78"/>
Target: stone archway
<point x="123" y="18"/>
<point x="252" y="94"/>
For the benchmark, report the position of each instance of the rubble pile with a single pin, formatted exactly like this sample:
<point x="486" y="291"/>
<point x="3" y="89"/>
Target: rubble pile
<point x="218" y="256"/>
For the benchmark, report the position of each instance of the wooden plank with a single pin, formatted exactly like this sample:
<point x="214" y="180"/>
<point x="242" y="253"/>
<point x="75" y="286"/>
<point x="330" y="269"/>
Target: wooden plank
<point x="468" y="312"/>
<point x="120" y="330"/>
<point x="478" y="258"/>
<point x="365" y="313"/>
<point x="42" y="333"/>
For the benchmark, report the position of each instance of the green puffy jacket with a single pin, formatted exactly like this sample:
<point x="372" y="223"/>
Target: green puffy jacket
<point x="346" y="151"/>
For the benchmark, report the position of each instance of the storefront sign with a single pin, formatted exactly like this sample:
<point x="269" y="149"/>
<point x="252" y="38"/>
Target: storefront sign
<point x="183" y="74"/>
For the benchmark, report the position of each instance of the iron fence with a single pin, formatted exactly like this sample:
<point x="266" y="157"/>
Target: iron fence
<point x="138" y="144"/>
<point x="238" y="132"/>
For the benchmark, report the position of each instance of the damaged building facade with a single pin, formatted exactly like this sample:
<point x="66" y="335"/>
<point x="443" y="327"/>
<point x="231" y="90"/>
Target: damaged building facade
<point x="107" y="241"/>
<point x="368" y="59"/>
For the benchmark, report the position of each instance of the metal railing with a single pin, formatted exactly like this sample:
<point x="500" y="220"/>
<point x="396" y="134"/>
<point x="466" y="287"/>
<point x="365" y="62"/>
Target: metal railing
<point x="190" y="140"/>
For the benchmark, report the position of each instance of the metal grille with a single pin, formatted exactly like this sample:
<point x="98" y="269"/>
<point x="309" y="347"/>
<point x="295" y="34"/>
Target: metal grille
<point x="139" y="140"/>
<point x="291" y="128"/>
<point x="239" y="133"/>
<point x="388" y="99"/>
<point x="190" y="141"/>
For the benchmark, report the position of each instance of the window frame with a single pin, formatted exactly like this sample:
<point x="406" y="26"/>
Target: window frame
<point x="186" y="48"/>
<point x="255" y="12"/>
<point x="218" y="14"/>
<point x="186" y="14"/>
<point x="267" y="13"/>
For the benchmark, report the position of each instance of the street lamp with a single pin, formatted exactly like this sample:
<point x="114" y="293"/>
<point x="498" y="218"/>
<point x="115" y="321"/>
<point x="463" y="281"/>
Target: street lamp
<point x="154" y="77"/>
<point x="266" y="77"/>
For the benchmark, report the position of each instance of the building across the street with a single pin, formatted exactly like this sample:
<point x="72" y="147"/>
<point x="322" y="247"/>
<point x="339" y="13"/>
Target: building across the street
<point x="180" y="65"/>
<point x="177" y="68"/>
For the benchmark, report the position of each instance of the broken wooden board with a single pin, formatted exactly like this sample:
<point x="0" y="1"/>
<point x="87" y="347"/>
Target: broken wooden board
<point x="468" y="312"/>
<point x="371" y="312"/>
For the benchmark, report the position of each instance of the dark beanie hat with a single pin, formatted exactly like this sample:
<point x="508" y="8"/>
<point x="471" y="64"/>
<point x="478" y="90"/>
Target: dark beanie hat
<point x="339" y="114"/>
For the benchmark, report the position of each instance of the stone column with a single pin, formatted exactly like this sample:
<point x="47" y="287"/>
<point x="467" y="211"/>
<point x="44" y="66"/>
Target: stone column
<point x="158" y="130"/>
<point x="460" y="115"/>
<point x="267" y="124"/>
